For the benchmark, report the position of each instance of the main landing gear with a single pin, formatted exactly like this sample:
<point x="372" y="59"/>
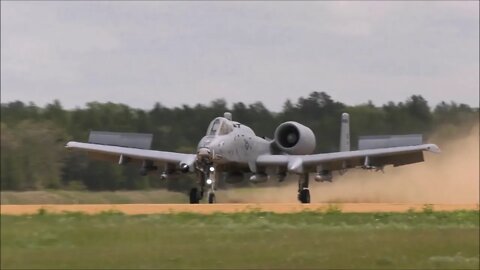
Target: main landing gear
<point x="195" y="196"/>
<point x="303" y="191"/>
<point x="208" y="178"/>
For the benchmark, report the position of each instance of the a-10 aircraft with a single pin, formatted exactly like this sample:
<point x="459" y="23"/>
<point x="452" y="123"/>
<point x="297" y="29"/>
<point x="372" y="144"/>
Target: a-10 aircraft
<point x="231" y="150"/>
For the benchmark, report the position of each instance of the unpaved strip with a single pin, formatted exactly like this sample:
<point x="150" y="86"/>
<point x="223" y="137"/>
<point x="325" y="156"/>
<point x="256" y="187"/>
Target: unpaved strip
<point x="135" y="209"/>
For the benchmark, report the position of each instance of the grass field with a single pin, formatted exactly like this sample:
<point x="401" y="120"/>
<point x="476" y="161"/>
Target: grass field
<point x="425" y="240"/>
<point x="89" y="197"/>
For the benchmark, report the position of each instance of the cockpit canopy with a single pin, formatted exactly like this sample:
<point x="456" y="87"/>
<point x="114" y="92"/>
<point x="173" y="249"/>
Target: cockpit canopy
<point x="219" y="126"/>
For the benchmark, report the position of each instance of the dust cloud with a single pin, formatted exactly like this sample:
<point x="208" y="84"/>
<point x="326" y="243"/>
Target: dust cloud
<point x="449" y="177"/>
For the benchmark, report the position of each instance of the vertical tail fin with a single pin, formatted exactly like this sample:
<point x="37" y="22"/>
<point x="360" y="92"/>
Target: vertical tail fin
<point x="345" y="133"/>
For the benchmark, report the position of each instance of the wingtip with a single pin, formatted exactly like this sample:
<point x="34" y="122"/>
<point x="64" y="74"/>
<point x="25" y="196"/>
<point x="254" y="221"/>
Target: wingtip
<point x="69" y="144"/>
<point x="434" y="148"/>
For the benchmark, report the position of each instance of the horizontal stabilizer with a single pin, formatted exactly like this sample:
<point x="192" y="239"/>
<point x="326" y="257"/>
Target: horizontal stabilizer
<point x="374" y="142"/>
<point x="133" y="140"/>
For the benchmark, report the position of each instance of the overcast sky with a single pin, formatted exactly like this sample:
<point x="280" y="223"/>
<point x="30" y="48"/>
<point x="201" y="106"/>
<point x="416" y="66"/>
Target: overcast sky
<point x="177" y="53"/>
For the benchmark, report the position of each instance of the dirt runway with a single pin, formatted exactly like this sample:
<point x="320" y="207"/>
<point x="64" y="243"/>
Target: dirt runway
<point x="136" y="209"/>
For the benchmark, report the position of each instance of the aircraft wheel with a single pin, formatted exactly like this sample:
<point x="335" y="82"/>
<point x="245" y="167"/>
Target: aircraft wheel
<point x="194" y="198"/>
<point x="211" y="197"/>
<point x="304" y="196"/>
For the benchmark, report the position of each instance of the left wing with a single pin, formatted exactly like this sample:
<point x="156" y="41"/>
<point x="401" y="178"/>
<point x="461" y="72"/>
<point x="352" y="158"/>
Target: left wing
<point x="379" y="157"/>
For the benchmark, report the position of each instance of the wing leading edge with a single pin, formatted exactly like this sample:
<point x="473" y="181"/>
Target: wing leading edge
<point x="395" y="156"/>
<point x="110" y="152"/>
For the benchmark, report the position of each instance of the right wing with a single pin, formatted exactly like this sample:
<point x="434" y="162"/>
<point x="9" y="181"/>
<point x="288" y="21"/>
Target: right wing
<point x="121" y="154"/>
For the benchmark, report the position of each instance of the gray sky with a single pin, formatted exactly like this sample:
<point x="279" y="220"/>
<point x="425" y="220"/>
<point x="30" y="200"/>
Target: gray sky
<point x="178" y="53"/>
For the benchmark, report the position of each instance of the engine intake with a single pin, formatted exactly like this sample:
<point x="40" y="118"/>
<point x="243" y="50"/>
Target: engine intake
<point x="294" y="138"/>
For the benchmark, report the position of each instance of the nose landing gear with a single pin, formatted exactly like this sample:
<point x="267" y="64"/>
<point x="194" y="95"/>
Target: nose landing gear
<point x="211" y="197"/>
<point x="206" y="177"/>
<point x="211" y="182"/>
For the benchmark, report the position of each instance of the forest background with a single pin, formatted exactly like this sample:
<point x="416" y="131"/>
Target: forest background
<point x="33" y="156"/>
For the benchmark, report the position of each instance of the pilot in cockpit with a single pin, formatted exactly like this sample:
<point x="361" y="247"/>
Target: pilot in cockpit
<point x="219" y="126"/>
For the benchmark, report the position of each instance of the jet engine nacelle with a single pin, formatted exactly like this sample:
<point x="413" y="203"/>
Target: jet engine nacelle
<point x="295" y="139"/>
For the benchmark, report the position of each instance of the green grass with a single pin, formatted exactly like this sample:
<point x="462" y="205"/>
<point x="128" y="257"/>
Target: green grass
<point x="89" y="197"/>
<point x="426" y="240"/>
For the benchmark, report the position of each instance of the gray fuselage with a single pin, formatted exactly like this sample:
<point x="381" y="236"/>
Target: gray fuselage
<point x="229" y="142"/>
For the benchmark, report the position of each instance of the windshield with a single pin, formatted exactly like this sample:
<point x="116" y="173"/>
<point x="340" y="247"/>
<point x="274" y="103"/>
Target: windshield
<point x="219" y="126"/>
<point x="225" y="128"/>
<point x="214" y="127"/>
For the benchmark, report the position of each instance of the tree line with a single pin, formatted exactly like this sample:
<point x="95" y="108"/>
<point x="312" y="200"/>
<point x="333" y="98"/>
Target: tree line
<point x="32" y="138"/>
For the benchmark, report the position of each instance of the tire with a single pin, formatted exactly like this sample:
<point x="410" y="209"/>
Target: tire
<point x="194" y="198"/>
<point x="304" y="196"/>
<point x="211" y="197"/>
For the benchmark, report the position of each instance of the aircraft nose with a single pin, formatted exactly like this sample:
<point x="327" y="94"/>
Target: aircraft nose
<point x="203" y="152"/>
